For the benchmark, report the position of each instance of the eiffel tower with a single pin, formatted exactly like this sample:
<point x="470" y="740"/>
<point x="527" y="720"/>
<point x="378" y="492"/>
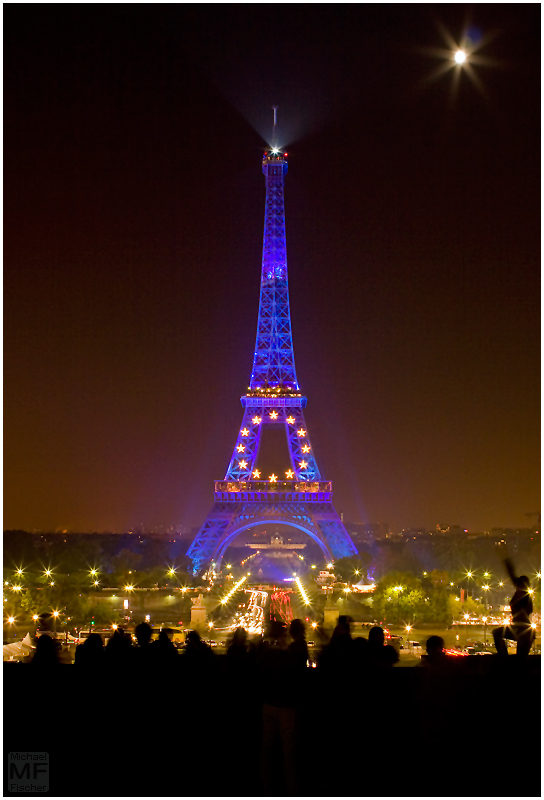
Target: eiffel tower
<point x="245" y="498"/>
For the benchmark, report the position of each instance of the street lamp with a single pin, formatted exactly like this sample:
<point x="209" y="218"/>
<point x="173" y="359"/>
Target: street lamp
<point x="408" y="629"/>
<point x="467" y="617"/>
<point x="485" y="630"/>
<point x="533" y="626"/>
<point x="55" y="615"/>
<point x="398" y="590"/>
<point x="486" y="589"/>
<point x="469" y="575"/>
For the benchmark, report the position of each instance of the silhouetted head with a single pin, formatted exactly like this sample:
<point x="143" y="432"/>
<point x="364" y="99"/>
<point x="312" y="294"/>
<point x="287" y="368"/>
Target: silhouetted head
<point x="240" y="637"/>
<point x="143" y="633"/>
<point x="342" y="629"/>
<point x="93" y="642"/>
<point x="193" y="639"/>
<point x="46" y="652"/>
<point x="435" y="645"/>
<point x="276" y="630"/>
<point x="165" y="636"/>
<point x="523" y="582"/>
<point x="376" y="636"/>
<point x="297" y="629"/>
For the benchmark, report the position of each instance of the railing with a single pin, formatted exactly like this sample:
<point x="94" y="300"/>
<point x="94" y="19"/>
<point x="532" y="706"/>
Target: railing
<point x="270" y="401"/>
<point x="268" y="486"/>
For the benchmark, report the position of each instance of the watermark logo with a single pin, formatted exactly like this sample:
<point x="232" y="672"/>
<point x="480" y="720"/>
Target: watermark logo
<point x="28" y="772"/>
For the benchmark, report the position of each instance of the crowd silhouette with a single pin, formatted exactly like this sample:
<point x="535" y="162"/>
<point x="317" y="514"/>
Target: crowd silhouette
<point x="273" y="717"/>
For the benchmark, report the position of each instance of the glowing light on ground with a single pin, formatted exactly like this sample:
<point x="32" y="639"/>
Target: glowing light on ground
<point x="302" y="592"/>
<point x="234" y="589"/>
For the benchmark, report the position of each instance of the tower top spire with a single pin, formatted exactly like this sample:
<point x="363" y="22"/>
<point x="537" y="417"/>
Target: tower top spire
<point x="275" y="129"/>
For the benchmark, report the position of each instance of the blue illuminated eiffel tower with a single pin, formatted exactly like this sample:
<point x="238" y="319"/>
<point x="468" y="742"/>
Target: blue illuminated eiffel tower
<point x="301" y="498"/>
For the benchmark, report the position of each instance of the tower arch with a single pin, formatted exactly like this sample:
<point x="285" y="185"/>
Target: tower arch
<point x="273" y="520"/>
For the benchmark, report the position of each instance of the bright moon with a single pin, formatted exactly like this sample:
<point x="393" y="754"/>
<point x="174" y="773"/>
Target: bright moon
<point x="460" y="56"/>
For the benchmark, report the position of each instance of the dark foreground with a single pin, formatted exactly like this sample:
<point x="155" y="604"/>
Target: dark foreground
<point x="472" y="729"/>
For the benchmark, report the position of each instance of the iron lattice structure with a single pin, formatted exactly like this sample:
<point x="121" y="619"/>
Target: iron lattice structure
<point x="303" y="499"/>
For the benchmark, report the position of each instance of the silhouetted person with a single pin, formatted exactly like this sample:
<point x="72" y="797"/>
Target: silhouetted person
<point x="360" y="651"/>
<point x="435" y="657"/>
<point x="91" y="653"/>
<point x="380" y="654"/>
<point x="46" y="653"/>
<point x="298" y="649"/>
<point x="143" y="633"/>
<point x="164" y="650"/>
<point x="118" y="650"/>
<point x="198" y="656"/>
<point x="279" y="743"/>
<point x="144" y="653"/>
<point x="521" y="606"/>
<point x="338" y="655"/>
<point x="238" y="660"/>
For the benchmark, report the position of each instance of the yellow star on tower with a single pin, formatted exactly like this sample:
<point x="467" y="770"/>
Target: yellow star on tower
<point x="256" y="420"/>
<point x="273" y="415"/>
<point x="306" y="448"/>
<point x="272" y="478"/>
<point x="303" y="465"/>
<point x="240" y="448"/>
<point x="301" y="432"/>
<point x="245" y="432"/>
<point x="291" y="420"/>
<point x="290" y="473"/>
<point x="256" y="473"/>
<point x="243" y="464"/>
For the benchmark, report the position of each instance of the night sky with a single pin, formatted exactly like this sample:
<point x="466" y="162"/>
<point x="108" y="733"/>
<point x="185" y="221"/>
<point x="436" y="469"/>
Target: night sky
<point x="134" y="206"/>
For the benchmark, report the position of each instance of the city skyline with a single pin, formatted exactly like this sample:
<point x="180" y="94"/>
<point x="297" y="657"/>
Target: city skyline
<point x="134" y="210"/>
